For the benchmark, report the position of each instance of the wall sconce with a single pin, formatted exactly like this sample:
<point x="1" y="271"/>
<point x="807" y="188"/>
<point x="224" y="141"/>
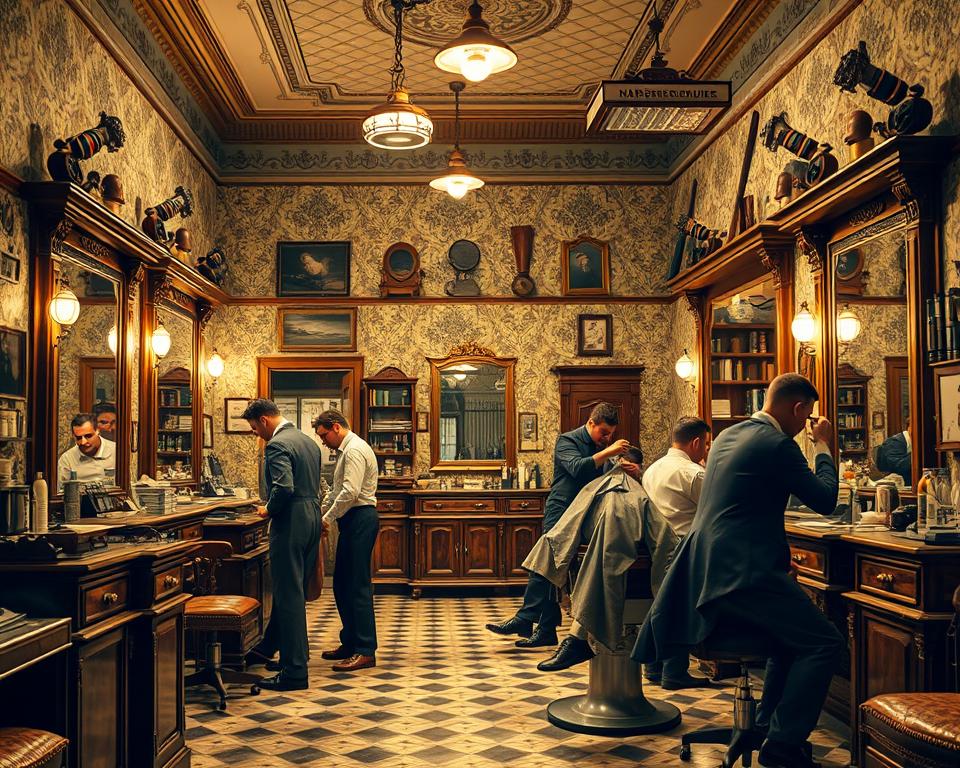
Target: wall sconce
<point x="804" y="328"/>
<point x="160" y="342"/>
<point x="848" y="325"/>
<point x="64" y="309"/>
<point x="112" y="340"/>
<point x="686" y="369"/>
<point x="215" y="366"/>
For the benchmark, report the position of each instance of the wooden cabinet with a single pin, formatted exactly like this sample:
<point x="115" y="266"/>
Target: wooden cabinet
<point x="389" y="425"/>
<point x="478" y="555"/>
<point x="390" y="552"/>
<point x="520" y="537"/>
<point x="99" y="699"/>
<point x="440" y="555"/>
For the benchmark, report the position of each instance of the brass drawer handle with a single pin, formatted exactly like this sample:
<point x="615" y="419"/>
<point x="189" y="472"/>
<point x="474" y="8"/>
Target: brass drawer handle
<point x="170" y="581"/>
<point x="109" y="598"/>
<point x="798" y="558"/>
<point x="524" y="504"/>
<point x="479" y="505"/>
<point x="389" y="505"/>
<point x="885" y="580"/>
<point x="437" y="505"/>
<point x="466" y="551"/>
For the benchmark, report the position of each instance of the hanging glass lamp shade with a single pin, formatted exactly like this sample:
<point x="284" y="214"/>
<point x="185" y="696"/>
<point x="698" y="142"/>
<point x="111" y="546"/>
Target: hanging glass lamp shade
<point x="398" y="124"/>
<point x="215" y="365"/>
<point x="684" y="366"/>
<point x="804" y="326"/>
<point x="112" y="339"/>
<point x="458" y="180"/>
<point x="848" y="325"/>
<point x="475" y="53"/>
<point x="64" y="307"/>
<point x="160" y="341"/>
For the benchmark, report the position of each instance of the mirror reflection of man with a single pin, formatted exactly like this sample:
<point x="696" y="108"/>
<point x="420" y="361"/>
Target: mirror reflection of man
<point x="894" y="455"/>
<point x="106" y="414"/>
<point x="92" y="458"/>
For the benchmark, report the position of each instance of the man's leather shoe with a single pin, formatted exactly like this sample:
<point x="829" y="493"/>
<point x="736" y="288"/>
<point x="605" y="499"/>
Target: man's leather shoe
<point x="281" y="683"/>
<point x="541" y="638"/>
<point x="337" y="654"/>
<point x="689" y="681"/>
<point x="776" y="754"/>
<point x="513" y="626"/>
<point x="354" y="663"/>
<point x="572" y="651"/>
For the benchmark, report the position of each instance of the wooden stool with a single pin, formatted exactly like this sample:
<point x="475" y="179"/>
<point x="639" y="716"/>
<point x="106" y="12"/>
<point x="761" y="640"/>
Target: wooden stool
<point x="31" y="748"/>
<point x="614" y="704"/>
<point x="903" y="730"/>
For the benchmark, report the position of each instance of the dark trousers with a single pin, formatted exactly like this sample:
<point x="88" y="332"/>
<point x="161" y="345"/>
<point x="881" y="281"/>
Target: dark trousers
<point x="797" y="678"/>
<point x="676" y="668"/>
<point x="540" y="603"/>
<point x="352" y="586"/>
<point x="293" y="556"/>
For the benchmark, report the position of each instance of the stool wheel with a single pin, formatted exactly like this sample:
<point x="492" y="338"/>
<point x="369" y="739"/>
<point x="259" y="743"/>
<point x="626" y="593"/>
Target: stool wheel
<point x="254" y="690"/>
<point x="685" y="752"/>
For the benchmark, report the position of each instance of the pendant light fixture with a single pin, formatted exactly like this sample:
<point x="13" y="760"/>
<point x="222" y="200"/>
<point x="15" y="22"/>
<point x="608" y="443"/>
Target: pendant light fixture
<point x="398" y="123"/>
<point x="476" y="53"/>
<point x="458" y="180"/>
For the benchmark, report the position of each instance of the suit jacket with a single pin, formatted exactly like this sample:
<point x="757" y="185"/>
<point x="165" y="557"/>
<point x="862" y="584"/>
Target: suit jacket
<point x="573" y="468"/>
<point x="893" y="455"/>
<point x="737" y="540"/>
<point x="292" y="480"/>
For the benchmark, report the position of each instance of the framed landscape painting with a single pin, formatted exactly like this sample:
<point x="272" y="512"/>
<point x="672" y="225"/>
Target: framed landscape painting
<point x="330" y="329"/>
<point x="315" y="268"/>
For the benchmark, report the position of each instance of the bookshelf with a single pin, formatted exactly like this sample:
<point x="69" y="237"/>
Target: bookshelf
<point x="174" y="424"/>
<point x="389" y="424"/>
<point x="853" y="431"/>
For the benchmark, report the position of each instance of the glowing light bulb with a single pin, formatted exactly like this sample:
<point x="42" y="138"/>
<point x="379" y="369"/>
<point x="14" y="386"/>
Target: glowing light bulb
<point x="215" y="365"/>
<point x="112" y="339"/>
<point x="804" y="326"/>
<point x="848" y="325"/>
<point x="160" y="341"/>
<point x="684" y="366"/>
<point x="64" y="307"/>
<point x="476" y="66"/>
<point x="457" y="189"/>
<point x="460" y="376"/>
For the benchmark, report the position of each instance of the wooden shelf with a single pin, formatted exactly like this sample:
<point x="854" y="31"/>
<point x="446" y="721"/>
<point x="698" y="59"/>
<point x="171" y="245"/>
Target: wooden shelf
<point x="744" y="326"/>
<point x="174" y="453"/>
<point x="750" y="355"/>
<point x="850" y="429"/>
<point x="392" y="453"/>
<point x="729" y="418"/>
<point x="177" y="407"/>
<point x="404" y="407"/>
<point x="390" y="431"/>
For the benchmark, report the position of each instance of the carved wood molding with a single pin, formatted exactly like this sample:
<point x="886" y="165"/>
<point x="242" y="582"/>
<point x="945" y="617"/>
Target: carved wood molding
<point x="695" y="305"/>
<point x="774" y="261"/>
<point x="135" y="276"/>
<point x="918" y="641"/>
<point x="162" y="289"/>
<point x="866" y="212"/>
<point x="390" y="372"/>
<point x="470" y="348"/>
<point x="812" y="243"/>
<point x="205" y="311"/>
<point x="59" y="234"/>
<point x="911" y="194"/>
<point x="95" y="248"/>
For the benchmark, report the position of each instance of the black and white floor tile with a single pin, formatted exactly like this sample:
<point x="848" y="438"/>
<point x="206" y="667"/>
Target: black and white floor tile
<point x="445" y="692"/>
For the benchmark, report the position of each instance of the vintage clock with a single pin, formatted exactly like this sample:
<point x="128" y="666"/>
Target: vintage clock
<point x="401" y="271"/>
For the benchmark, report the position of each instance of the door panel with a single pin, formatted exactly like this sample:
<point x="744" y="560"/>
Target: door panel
<point x="390" y="551"/>
<point x="480" y="549"/>
<point x="583" y="387"/>
<point x="521" y="536"/>
<point x="441" y="549"/>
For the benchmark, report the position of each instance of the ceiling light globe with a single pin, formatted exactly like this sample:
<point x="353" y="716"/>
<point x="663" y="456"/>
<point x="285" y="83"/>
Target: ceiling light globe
<point x="848" y="326"/>
<point x="684" y="366"/>
<point x="64" y="307"/>
<point x="476" y="66"/>
<point x="160" y="341"/>
<point x="458" y="180"/>
<point x="112" y="339"/>
<point x="475" y="39"/>
<point x="804" y="326"/>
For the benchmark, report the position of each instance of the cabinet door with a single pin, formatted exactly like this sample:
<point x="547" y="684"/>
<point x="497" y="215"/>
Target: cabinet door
<point x="390" y="551"/>
<point x="441" y="550"/>
<point x="521" y="536"/>
<point x="480" y="549"/>
<point x="889" y="657"/>
<point x="100" y="740"/>
<point x="169" y="723"/>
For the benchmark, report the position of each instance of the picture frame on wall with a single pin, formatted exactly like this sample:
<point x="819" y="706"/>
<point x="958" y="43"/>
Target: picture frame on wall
<point x="529" y="431"/>
<point x="946" y="390"/>
<point x="423" y="421"/>
<point x="313" y="268"/>
<point x="326" y="329"/>
<point x="13" y="363"/>
<point x="594" y="335"/>
<point x="585" y="267"/>
<point x="10" y="423"/>
<point x="207" y="430"/>
<point x="878" y="420"/>
<point x="233" y="421"/>
<point x="9" y="267"/>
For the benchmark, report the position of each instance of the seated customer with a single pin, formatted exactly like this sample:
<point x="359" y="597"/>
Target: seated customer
<point x="613" y="514"/>
<point x="893" y="455"/>
<point x="734" y="566"/>
<point x="106" y="414"/>
<point x="673" y="483"/>
<point x="92" y="459"/>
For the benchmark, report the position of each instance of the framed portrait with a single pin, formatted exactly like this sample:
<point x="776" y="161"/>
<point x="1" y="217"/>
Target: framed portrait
<point x="423" y="421"/>
<point x="313" y="268"/>
<point x="330" y="329"/>
<point x="233" y="421"/>
<point x="13" y="358"/>
<point x="9" y="267"/>
<point x="528" y="430"/>
<point x="207" y="430"/>
<point x="585" y="267"/>
<point x="946" y="389"/>
<point x="594" y="335"/>
<point x="878" y="419"/>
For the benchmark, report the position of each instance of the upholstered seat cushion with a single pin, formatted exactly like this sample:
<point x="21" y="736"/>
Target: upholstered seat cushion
<point x="29" y="747"/>
<point x="221" y="605"/>
<point x="932" y="718"/>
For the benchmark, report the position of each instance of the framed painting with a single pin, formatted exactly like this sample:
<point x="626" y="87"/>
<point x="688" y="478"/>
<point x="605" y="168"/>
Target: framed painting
<point x="207" y="430"/>
<point x="528" y="431"/>
<point x="585" y="267"/>
<point x="423" y="421"/>
<point x="233" y="421"/>
<point x="946" y="389"/>
<point x="313" y="268"/>
<point x="594" y="335"/>
<point x="330" y="329"/>
<point x="9" y="267"/>
<point x="13" y="359"/>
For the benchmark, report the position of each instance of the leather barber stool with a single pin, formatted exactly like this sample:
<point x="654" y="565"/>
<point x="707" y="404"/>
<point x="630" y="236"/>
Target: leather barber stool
<point x="910" y="729"/>
<point x="31" y="748"/>
<point x="614" y="704"/>
<point x="733" y="644"/>
<point x="208" y="615"/>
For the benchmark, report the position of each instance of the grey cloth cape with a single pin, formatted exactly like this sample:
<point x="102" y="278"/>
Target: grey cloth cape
<point x="737" y="540"/>
<point x="613" y="514"/>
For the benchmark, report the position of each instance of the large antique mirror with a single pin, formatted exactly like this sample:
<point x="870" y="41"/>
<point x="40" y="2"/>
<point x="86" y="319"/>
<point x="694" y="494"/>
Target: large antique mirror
<point x="87" y="373"/>
<point x="175" y="393"/>
<point x="869" y="275"/>
<point x="472" y="420"/>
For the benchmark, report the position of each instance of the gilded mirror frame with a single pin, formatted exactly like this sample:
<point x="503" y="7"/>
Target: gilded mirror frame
<point x="473" y="354"/>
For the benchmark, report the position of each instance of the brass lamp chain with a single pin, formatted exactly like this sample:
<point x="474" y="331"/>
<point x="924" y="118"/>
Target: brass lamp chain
<point x="456" y="119"/>
<point x="397" y="71"/>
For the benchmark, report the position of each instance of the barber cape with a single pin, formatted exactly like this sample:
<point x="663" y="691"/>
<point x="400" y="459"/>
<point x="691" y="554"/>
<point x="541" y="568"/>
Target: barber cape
<point x="613" y="514"/>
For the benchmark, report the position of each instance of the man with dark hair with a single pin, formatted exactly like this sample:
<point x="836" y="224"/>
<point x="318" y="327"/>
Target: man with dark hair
<point x="91" y="458"/>
<point x="352" y="502"/>
<point x="734" y="566"/>
<point x="579" y="457"/>
<point x="106" y="414"/>
<point x="292" y="486"/>
<point x="894" y="455"/>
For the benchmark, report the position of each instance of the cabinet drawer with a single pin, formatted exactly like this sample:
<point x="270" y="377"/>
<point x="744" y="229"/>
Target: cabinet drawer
<point x="168" y="582"/>
<point x="526" y="505"/>
<point x="459" y="505"/>
<point x="897" y="581"/>
<point x="103" y="599"/>
<point x="193" y="531"/>
<point x="809" y="560"/>
<point x="389" y="505"/>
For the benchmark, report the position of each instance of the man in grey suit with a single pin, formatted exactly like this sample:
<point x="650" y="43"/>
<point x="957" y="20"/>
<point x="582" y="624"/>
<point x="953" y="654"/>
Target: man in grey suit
<point x="292" y="475"/>
<point x="734" y="566"/>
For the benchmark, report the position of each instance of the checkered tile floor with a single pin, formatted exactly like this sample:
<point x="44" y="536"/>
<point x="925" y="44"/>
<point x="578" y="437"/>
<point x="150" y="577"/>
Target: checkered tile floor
<point x="445" y="693"/>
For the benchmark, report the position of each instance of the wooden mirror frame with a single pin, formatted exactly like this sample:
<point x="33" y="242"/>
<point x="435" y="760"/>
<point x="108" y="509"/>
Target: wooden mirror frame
<point x="472" y="353"/>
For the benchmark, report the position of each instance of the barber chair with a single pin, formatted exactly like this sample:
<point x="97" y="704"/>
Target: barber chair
<point x="732" y="644"/>
<point x="31" y="748"/>
<point x="614" y="704"/>
<point x="208" y="615"/>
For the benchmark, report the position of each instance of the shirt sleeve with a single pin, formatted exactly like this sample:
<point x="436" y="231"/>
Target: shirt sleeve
<point x="63" y="472"/>
<point x="580" y="468"/>
<point x="280" y="475"/>
<point x="818" y="490"/>
<point x="696" y="484"/>
<point x="353" y="471"/>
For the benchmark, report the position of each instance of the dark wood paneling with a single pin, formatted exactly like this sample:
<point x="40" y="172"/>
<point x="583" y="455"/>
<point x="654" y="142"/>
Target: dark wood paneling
<point x="102" y="703"/>
<point x="441" y="550"/>
<point x="390" y="551"/>
<point x="479" y="556"/>
<point x="521" y="536"/>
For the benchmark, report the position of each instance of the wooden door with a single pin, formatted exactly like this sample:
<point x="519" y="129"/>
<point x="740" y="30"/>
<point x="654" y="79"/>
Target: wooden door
<point x="169" y="726"/>
<point x="440" y="553"/>
<point x="479" y="549"/>
<point x="521" y="536"/>
<point x="390" y="551"/>
<point x="898" y="394"/>
<point x="100" y="737"/>
<point x="584" y="386"/>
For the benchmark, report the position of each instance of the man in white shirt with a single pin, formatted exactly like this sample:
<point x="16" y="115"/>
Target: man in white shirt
<point x="673" y="483"/>
<point x="352" y="501"/>
<point x="92" y="458"/>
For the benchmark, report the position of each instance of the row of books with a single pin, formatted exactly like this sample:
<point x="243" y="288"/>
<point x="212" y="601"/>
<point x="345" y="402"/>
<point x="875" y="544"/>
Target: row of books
<point x="398" y="443"/>
<point x="156" y="499"/>
<point x="396" y="396"/>
<point x="756" y="341"/>
<point x="728" y="369"/>
<point x="174" y="397"/>
<point x="400" y="425"/>
<point x="851" y="397"/>
<point x="168" y="442"/>
<point x="394" y="468"/>
<point x="943" y="326"/>
<point x="181" y="421"/>
<point x="850" y="420"/>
